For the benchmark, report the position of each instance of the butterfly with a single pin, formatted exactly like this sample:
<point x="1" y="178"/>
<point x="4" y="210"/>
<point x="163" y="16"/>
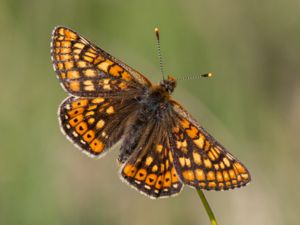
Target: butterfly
<point x="162" y="146"/>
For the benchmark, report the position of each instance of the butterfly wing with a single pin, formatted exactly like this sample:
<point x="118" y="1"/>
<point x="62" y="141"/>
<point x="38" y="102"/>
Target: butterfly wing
<point x="95" y="124"/>
<point x="201" y="161"/>
<point x="149" y="168"/>
<point x="86" y="70"/>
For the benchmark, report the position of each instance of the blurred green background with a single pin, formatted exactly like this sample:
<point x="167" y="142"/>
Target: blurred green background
<point x="251" y="105"/>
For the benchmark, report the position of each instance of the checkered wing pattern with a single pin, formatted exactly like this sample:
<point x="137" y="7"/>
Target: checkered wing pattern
<point x="94" y="124"/>
<point x="149" y="168"/>
<point x="201" y="161"/>
<point x="86" y="70"/>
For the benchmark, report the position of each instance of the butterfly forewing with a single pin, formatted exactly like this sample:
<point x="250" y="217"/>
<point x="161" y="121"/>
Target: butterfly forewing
<point x="200" y="160"/>
<point x="86" y="70"/>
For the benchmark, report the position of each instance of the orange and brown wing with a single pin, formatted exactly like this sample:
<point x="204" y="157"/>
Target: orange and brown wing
<point x="94" y="124"/>
<point x="149" y="169"/>
<point x="200" y="160"/>
<point x="86" y="70"/>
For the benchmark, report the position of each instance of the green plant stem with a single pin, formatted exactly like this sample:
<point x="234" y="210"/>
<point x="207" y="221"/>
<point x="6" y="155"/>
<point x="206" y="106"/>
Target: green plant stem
<point x="209" y="212"/>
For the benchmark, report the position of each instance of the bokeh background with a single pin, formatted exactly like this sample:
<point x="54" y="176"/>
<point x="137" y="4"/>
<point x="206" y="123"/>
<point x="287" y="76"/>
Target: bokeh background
<point x="251" y="105"/>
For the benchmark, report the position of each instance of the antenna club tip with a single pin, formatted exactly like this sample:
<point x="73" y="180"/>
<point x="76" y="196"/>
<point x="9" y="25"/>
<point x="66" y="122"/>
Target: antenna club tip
<point x="156" y="30"/>
<point x="209" y="74"/>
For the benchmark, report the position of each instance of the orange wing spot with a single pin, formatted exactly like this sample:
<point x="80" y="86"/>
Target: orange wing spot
<point x="182" y="161"/>
<point x="200" y="141"/>
<point x="197" y="158"/>
<point x="212" y="184"/>
<point x="61" y="31"/>
<point x="75" y="112"/>
<point x="217" y="167"/>
<point x="92" y="107"/>
<point x="110" y="110"/>
<point x="228" y="183"/>
<point x="60" y="38"/>
<point x="226" y="175"/>
<point x="104" y="65"/>
<point x="89" y="88"/>
<point x="192" y="132"/>
<point x="186" y="124"/>
<point x="176" y="130"/>
<point x="79" y="103"/>
<point x="159" y="148"/>
<point x="69" y="65"/>
<point x="60" y="66"/>
<point x="90" y="73"/>
<point x="232" y="174"/>
<point x="78" y="45"/>
<point x="188" y="175"/>
<point x="211" y="175"/>
<point x="76" y="56"/>
<point x="90" y="113"/>
<point x="202" y="184"/>
<point x="100" y="124"/>
<point x="89" y="54"/>
<point x="63" y="75"/>
<point x="158" y="184"/>
<point x="239" y="178"/>
<point x="211" y="156"/>
<point x="74" y="86"/>
<point x="73" y="122"/>
<point x="154" y="168"/>
<point x="170" y="157"/>
<point x="239" y="167"/>
<point x="207" y="163"/>
<point x="97" y="146"/>
<point x="57" y="57"/>
<point x="89" y="59"/>
<point x="73" y="74"/>
<point x="162" y="168"/>
<point x="148" y="161"/>
<point x="66" y="44"/>
<point x="207" y="146"/>
<point x="222" y="165"/>
<point x="234" y="182"/>
<point x="188" y="162"/>
<point x="89" y="136"/>
<point x="65" y="57"/>
<point x="76" y="51"/>
<point x="129" y="170"/>
<point x="226" y="162"/>
<point x="200" y="174"/>
<point x="151" y="178"/>
<point x="221" y="185"/>
<point x="115" y="70"/>
<point x="57" y="44"/>
<point x="98" y="100"/>
<point x="126" y="76"/>
<point x="81" y="64"/>
<point x="70" y="34"/>
<point x="91" y="120"/>
<point x="245" y="176"/>
<point x="81" y="128"/>
<point x="65" y="50"/>
<point x="57" y="50"/>
<point x="167" y="179"/>
<point x="122" y="86"/>
<point x="98" y="59"/>
<point x="141" y="174"/>
<point x="219" y="176"/>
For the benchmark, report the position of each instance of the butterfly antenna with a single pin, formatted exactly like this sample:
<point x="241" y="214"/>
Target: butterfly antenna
<point x="206" y="75"/>
<point x="156" y="30"/>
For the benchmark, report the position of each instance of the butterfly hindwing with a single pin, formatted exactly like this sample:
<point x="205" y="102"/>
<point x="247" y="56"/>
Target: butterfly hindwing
<point x="149" y="168"/>
<point x="94" y="125"/>
<point x="86" y="70"/>
<point x="200" y="160"/>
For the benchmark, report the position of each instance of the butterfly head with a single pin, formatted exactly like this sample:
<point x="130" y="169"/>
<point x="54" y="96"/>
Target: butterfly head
<point x="168" y="84"/>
